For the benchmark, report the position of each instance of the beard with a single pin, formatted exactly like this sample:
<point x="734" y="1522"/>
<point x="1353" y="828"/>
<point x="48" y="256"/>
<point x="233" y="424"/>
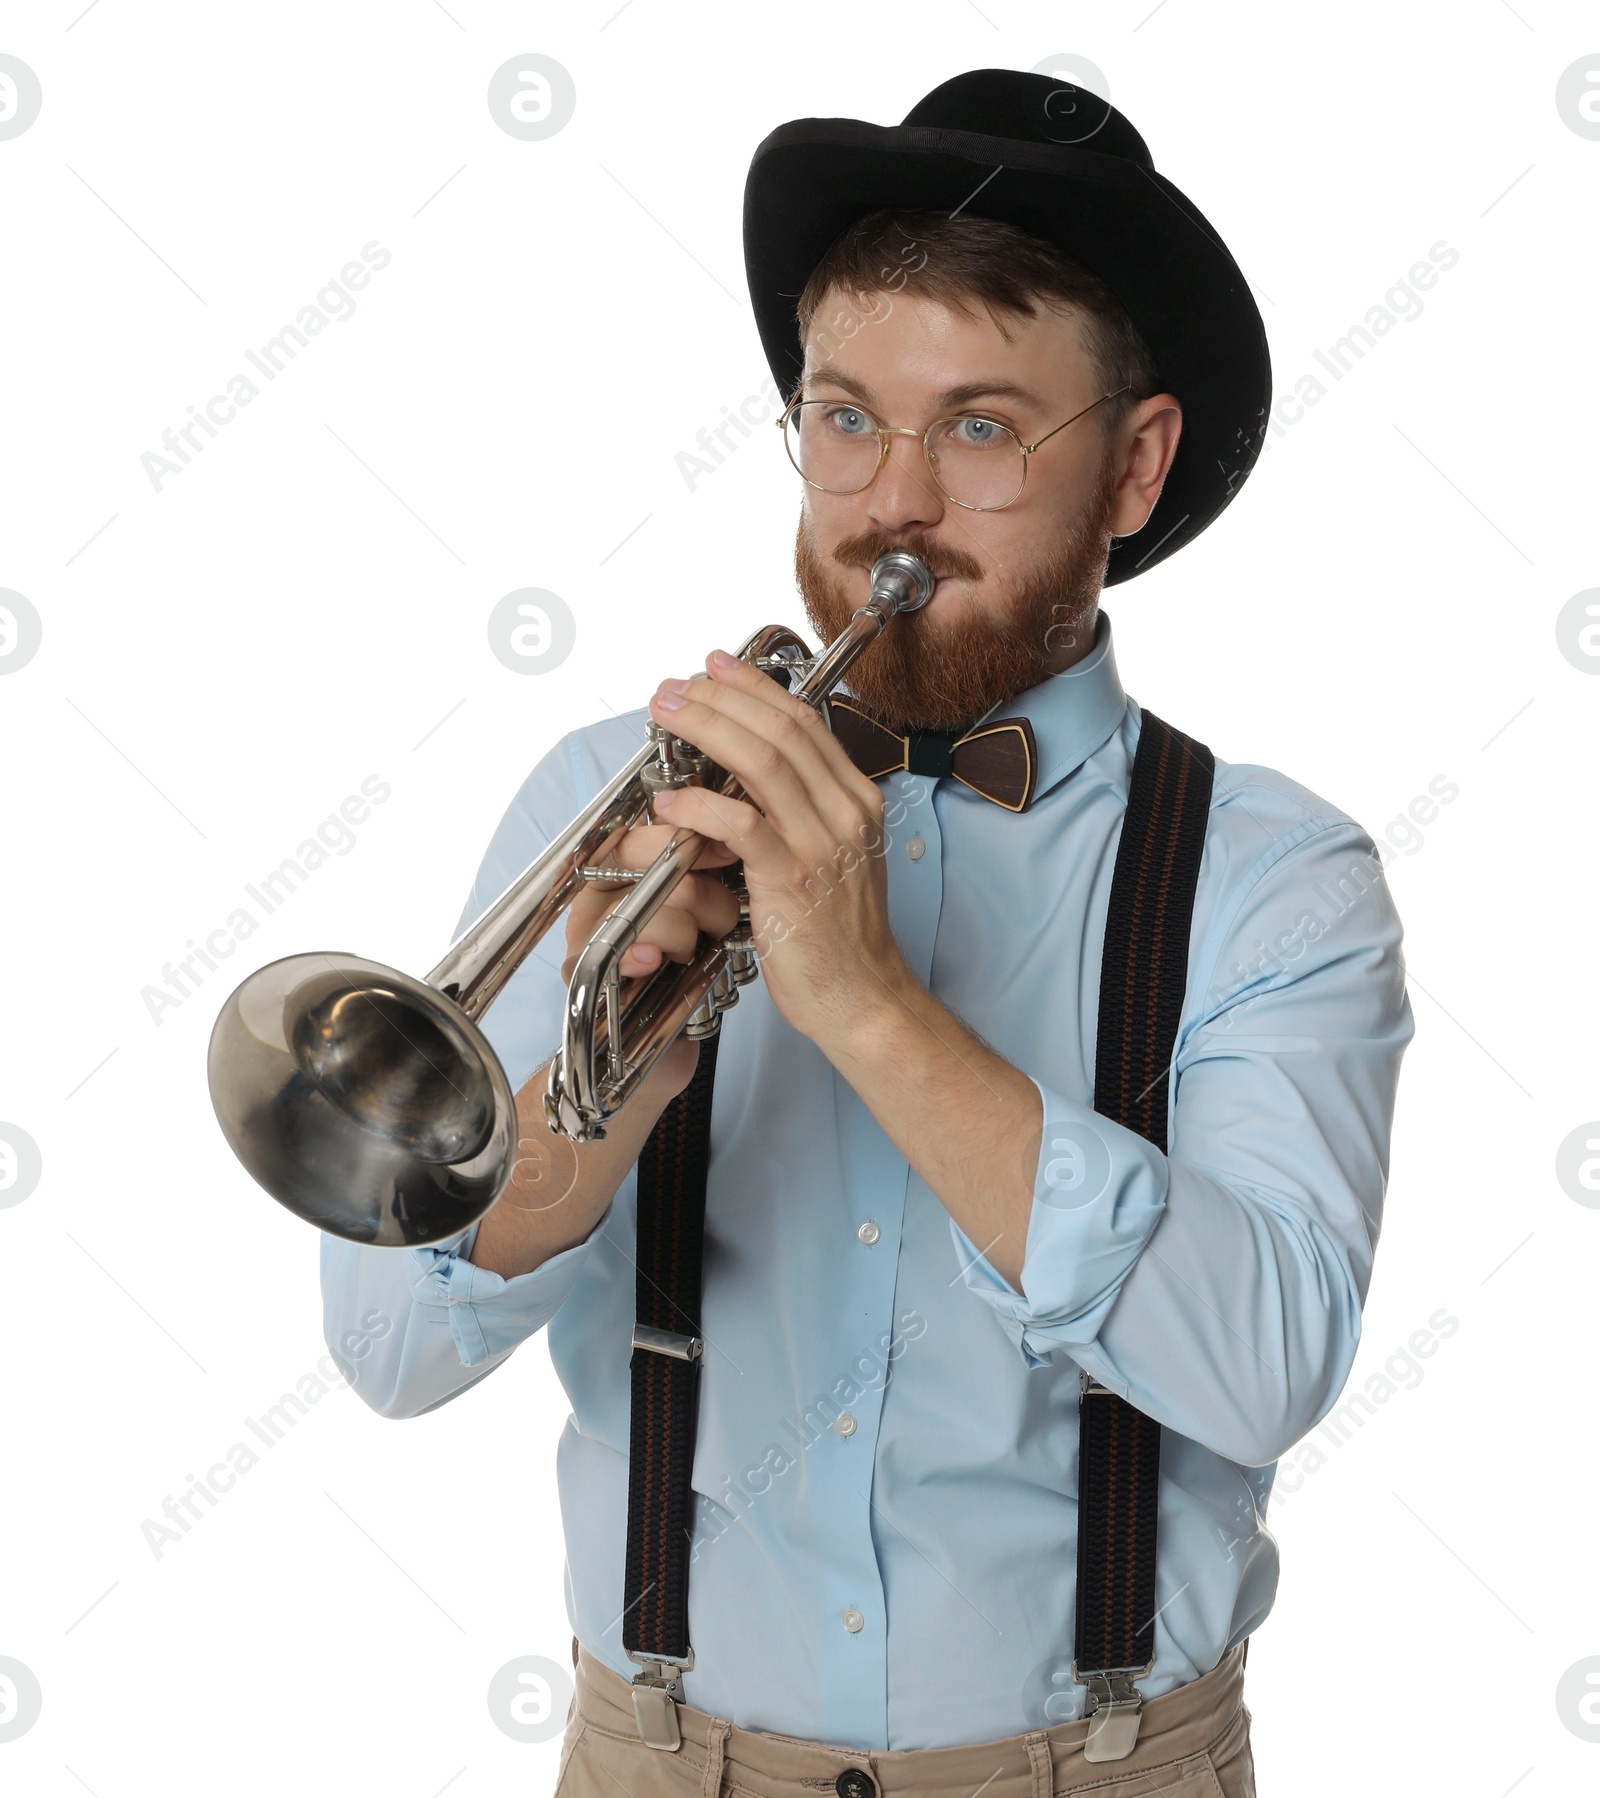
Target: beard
<point x="948" y="674"/>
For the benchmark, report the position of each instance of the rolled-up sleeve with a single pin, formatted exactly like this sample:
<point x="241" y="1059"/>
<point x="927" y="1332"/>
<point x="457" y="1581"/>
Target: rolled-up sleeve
<point x="1097" y="1194"/>
<point x="486" y="1314"/>
<point x="1219" y="1286"/>
<point x="415" y="1328"/>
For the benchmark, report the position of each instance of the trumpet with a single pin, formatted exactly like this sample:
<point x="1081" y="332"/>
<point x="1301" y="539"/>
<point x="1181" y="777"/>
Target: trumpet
<point x="370" y="1103"/>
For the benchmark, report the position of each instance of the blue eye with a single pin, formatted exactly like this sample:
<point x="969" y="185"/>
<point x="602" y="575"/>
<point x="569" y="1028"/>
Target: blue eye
<point x="849" y="422"/>
<point x="977" y="433"/>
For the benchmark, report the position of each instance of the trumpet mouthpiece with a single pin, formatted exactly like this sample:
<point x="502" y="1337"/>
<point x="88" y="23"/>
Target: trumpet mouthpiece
<point x="901" y="582"/>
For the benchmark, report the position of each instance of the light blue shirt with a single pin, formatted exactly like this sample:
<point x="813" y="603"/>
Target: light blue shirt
<point x="886" y="1464"/>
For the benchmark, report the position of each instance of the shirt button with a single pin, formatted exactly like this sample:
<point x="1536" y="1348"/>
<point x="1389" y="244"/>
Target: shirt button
<point x="855" y="1782"/>
<point x="916" y="849"/>
<point x="868" y="1233"/>
<point x="852" y="1620"/>
<point x="845" y="1424"/>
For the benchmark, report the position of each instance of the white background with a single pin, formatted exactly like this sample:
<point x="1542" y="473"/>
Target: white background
<point x="226" y="659"/>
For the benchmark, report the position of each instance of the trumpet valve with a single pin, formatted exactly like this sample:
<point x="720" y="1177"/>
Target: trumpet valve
<point x="743" y="963"/>
<point x="706" y="1018"/>
<point x="677" y="763"/>
<point x="725" y="988"/>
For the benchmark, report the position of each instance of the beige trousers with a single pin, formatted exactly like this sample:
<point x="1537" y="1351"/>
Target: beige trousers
<point x="1194" y="1742"/>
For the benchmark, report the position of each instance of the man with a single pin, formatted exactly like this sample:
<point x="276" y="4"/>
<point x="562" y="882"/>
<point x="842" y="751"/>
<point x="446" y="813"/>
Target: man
<point x="1023" y="356"/>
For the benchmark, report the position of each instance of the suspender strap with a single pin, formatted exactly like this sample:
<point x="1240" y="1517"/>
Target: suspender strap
<point x="1119" y="1473"/>
<point x="665" y="1370"/>
<point x="1145" y="968"/>
<point x="1142" y="979"/>
<point x="1141" y="997"/>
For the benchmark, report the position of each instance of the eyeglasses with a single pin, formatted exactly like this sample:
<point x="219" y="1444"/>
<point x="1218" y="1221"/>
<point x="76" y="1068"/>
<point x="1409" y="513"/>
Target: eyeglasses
<point x="976" y="462"/>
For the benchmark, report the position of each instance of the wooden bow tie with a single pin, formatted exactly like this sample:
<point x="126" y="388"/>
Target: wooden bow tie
<point x="997" y="760"/>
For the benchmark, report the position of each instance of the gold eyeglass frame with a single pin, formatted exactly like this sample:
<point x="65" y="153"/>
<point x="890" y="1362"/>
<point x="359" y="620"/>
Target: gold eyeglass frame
<point x="885" y="432"/>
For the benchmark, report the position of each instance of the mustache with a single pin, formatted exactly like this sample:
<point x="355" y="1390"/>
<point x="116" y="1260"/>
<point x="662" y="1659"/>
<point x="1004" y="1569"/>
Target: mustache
<point x="944" y="561"/>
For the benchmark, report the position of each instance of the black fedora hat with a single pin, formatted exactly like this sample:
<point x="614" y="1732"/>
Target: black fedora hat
<point x="1059" y="162"/>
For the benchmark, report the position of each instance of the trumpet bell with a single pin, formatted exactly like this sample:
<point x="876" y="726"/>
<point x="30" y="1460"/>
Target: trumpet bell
<point x="363" y="1100"/>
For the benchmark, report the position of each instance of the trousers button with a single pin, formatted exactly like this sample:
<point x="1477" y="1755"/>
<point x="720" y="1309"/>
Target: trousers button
<point x="855" y="1782"/>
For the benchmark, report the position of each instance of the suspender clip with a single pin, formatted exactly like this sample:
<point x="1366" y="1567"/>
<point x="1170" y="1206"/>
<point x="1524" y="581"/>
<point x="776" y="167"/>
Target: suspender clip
<point x="657" y="1692"/>
<point x="667" y="1342"/>
<point x="1114" y="1706"/>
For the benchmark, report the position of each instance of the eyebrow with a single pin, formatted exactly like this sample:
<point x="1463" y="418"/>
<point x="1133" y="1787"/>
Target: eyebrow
<point x="954" y="397"/>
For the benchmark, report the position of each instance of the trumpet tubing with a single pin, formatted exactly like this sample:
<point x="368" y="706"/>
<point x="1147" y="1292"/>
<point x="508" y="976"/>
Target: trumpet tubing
<point x="370" y="1103"/>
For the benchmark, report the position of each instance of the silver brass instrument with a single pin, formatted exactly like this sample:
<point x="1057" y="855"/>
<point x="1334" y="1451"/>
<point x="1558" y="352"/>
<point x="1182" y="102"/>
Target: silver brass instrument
<point x="370" y="1103"/>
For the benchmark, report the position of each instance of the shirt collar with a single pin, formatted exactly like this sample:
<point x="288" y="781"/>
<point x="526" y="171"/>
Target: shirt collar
<point x="1072" y="713"/>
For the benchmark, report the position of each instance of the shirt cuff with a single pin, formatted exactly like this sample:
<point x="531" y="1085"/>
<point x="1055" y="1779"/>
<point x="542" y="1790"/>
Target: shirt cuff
<point x="1098" y="1193"/>
<point x="487" y="1314"/>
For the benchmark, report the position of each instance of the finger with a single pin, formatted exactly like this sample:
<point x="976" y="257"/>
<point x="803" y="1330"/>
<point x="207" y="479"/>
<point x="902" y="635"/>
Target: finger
<point x="699" y="903"/>
<point x="639" y="847"/>
<point x="646" y="841"/>
<point x="673" y="932"/>
<point x="773" y="753"/>
<point x="731" y="674"/>
<point x="703" y="893"/>
<point x="585" y="915"/>
<point x="737" y="822"/>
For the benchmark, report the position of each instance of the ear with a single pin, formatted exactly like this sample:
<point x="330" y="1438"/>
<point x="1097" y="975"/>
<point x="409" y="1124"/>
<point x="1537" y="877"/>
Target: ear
<point x="1149" y="439"/>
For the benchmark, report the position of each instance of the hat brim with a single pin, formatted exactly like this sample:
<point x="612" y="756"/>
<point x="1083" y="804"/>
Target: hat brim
<point x="812" y="179"/>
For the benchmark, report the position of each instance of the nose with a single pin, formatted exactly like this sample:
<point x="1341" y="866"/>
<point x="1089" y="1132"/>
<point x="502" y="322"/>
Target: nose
<point x="904" y="495"/>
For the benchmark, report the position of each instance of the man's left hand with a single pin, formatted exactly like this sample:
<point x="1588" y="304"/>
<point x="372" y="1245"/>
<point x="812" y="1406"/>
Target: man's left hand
<point x="809" y="833"/>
